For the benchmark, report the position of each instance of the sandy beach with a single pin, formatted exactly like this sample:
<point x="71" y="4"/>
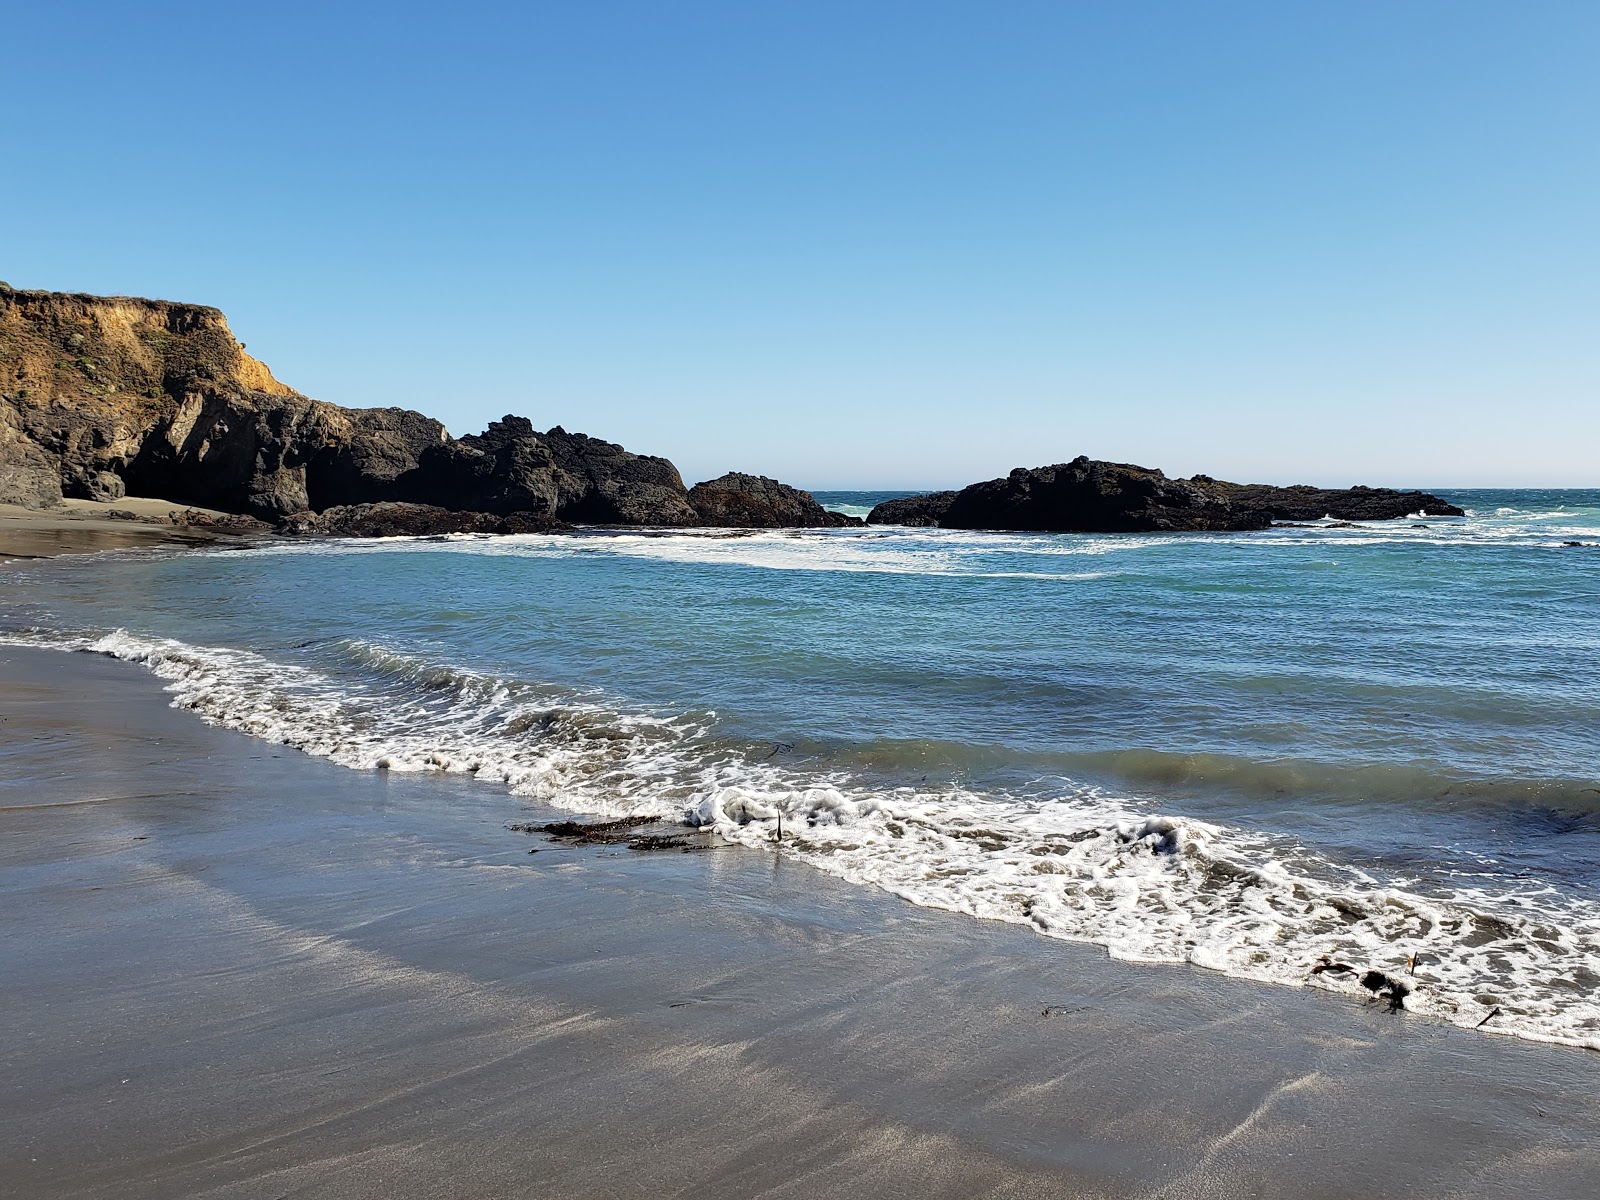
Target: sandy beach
<point x="229" y="970"/>
<point x="90" y="526"/>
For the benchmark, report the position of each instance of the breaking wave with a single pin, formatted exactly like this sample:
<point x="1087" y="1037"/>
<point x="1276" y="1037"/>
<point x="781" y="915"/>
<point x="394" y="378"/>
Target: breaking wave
<point x="1076" y="864"/>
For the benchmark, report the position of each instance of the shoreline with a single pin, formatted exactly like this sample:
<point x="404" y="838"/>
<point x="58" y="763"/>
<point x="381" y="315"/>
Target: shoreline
<point x="364" y="984"/>
<point x="89" y="527"/>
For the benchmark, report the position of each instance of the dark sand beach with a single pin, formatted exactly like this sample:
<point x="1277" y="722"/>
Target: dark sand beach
<point x="229" y="970"/>
<point x="88" y="526"/>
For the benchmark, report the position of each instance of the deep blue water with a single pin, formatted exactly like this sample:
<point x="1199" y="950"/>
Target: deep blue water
<point x="1242" y="750"/>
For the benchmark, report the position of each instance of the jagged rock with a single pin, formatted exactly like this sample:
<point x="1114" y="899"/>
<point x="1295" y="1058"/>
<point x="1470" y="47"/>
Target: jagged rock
<point x="28" y="476"/>
<point x="926" y="509"/>
<point x="568" y="476"/>
<point x="1090" y="496"/>
<point x="396" y="519"/>
<point x="366" y="452"/>
<point x="274" y="456"/>
<point x="101" y="396"/>
<point x="1304" y="503"/>
<point x="160" y="399"/>
<point x="742" y="501"/>
<point x="91" y="377"/>
<point x="106" y="486"/>
<point x="1086" y="496"/>
<point x="222" y="522"/>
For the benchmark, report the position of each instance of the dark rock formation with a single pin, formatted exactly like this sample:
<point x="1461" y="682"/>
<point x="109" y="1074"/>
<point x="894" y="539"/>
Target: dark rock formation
<point x="394" y="519"/>
<point x="365" y="462"/>
<point x="1093" y="497"/>
<point x="743" y="501"/>
<point x="1089" y="496"/>
<point x="1303" y="503"/>
<point x="275" y="456"/>
<point x="28" y="473"/>
<point x="926" y="509"/>
<point x="569" y="476"/>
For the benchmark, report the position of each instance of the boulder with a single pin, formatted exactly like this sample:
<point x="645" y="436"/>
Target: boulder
<point x="740" y="501"/>
<point x="926" y="509"/>
<point x="105" y="486"/>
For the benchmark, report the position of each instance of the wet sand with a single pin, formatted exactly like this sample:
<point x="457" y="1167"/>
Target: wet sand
<point x="87" y="526"/>
<point x="228" y="970"/>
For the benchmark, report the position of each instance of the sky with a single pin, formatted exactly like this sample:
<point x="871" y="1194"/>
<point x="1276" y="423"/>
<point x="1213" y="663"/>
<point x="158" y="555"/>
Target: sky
<point x="865" y="244"/>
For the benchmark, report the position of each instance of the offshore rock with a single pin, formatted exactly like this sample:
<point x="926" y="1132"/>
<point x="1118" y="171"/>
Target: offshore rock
<point x="926" y="509"/>
<point x="1086" y="496"/>
<point x="1091" y="496"/>
<point x="740" y="501"/>
<point x="1304" y="503"/>
<point x="395" y="519"/>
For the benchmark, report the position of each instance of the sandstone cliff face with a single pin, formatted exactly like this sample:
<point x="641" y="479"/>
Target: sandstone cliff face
<point x="115" y="393"/>
<point x="1090" y="496"/>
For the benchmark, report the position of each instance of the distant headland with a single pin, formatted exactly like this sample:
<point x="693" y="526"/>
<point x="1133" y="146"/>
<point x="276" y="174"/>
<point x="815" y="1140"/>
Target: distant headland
<point x="107" y="396"/>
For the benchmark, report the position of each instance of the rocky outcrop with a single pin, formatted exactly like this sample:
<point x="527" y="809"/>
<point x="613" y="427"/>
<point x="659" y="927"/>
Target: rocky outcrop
<point x="106" y="396"/>
<point x="28" y="474"/>
<point x="926" y="509"/>
<point x="1304" y="503"/>
<point x="101" y="396"/>
<point x="741" y="501"/>
<point x="157" y="398"/>
<point x="566" y="476"/>
<point x="276" y="456"/>
<point x="1086" y="496"/>
<point x="394" y="519"/>
<point x="1090" y="496"/>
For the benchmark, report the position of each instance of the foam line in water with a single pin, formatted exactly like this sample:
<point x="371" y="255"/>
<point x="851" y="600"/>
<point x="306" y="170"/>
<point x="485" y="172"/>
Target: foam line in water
<point x="975" y="554"/>
<point x="1081" y="865"/>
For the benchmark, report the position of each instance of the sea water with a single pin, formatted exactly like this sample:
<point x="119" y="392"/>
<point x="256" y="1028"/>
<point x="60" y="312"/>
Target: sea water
<point x="1372" y="745"/>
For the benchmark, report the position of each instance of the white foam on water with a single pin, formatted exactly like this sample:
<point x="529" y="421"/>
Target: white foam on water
<point x="901" y="550"/>
<point x="936" y="553"/>
<point x="1085" y="866"/>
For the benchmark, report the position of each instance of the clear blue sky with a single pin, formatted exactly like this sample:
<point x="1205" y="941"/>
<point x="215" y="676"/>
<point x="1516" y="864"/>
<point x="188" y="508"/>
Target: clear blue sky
<point x="861" y="244"/>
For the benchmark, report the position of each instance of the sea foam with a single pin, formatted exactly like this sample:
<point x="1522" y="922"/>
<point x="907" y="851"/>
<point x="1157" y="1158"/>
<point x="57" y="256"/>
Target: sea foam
<point x="1079" y="864"/>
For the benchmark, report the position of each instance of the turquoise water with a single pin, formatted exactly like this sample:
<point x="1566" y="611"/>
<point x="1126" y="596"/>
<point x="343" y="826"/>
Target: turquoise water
<point x="1244" y="751"/>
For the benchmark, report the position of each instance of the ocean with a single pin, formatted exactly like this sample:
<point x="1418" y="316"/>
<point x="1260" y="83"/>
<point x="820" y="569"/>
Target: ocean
<point x="1360" y="748"/>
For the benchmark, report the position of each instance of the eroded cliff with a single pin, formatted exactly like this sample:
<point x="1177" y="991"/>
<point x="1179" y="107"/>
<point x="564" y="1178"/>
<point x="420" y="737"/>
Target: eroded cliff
<point x="101" y="396"/>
